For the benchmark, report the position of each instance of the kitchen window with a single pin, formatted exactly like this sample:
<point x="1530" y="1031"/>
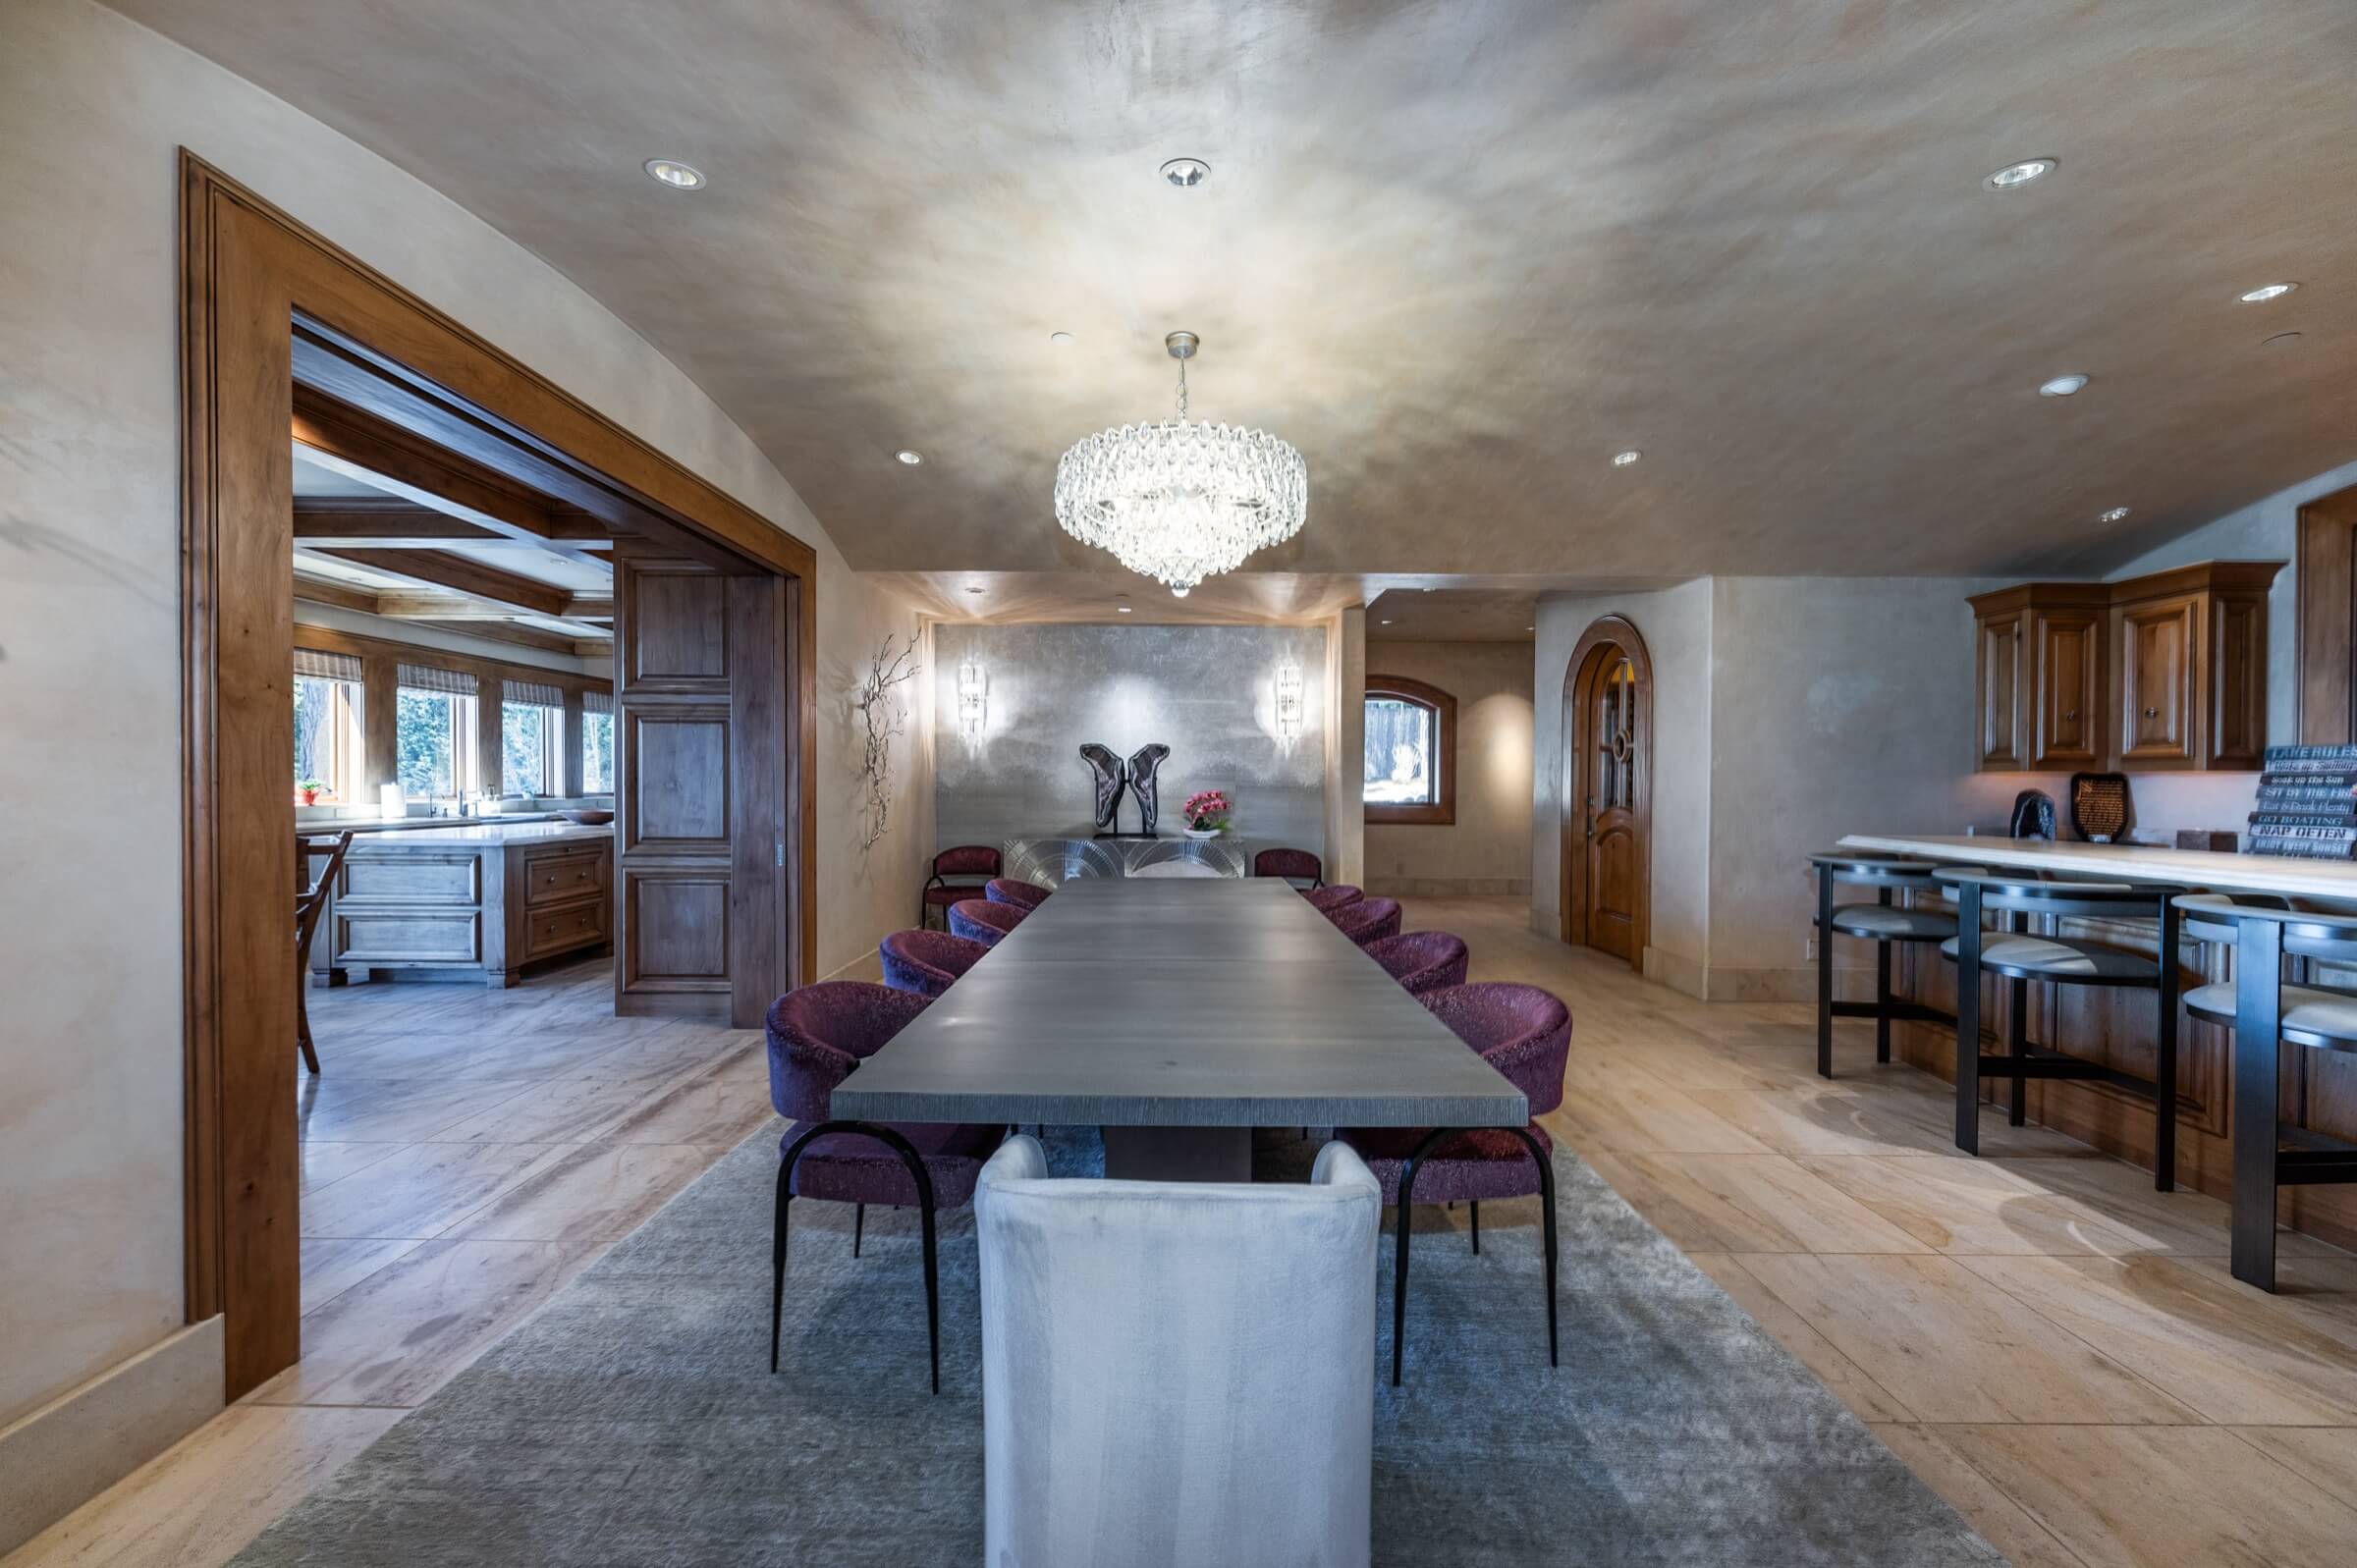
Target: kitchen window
<point x="598" y="742"/>
<point x="327" y="727"/>
<point x="531" y="726"/>
<point x="434" y="731"/>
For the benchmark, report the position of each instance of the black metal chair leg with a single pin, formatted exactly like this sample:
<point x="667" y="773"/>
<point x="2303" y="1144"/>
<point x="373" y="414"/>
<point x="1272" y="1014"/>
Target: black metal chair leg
<point x="1547" y="1218"/>
<point x="1407" y="1198"/>
<point x="915" y="1163"/>
<point x="2164" y="1053"/>
<point x="1968" y="1017"/>
<point x="777" y="1260"/>
<point x="858" y="1224"/>
<point x="1475" y="1205"/>
<point x="2018" y="1037"/>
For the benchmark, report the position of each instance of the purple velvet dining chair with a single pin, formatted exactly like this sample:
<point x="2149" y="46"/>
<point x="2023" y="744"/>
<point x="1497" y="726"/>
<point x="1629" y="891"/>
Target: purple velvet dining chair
<point x="980" y="920"/>
<point x="926" y="961"/>
<point x="1327" y="899"/>
<point x="1288" y="864"/>
<point x="817" y="1036"/>
<point x="1422" y="961"/>
<point x="1010" y="891"/>
<point x="1525" y="1033"/>
<point x="973" y="861"/>
<point x="1368" y="920"/>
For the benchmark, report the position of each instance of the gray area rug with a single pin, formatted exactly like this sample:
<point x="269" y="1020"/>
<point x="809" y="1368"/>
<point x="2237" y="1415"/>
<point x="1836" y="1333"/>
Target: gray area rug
<point x="633" y="1420"/>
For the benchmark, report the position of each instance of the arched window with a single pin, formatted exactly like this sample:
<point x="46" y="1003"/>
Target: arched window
<point x="1410" y="766"/>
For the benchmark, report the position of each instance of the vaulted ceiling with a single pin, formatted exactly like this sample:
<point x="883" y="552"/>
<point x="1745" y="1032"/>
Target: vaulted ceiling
<point x="1459" y="253"/>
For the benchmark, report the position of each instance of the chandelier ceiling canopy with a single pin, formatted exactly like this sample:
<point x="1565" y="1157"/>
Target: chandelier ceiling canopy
<point x="1182" y="501"/>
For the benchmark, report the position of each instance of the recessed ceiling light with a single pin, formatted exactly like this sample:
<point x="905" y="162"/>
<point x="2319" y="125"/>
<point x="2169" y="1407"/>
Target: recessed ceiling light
<point x="1120" y="610"/>
<point x="675" y="174"/>
<point x="911" y="458"/>
<point x="1185" y="172"/>
<point x="1062" y="339"/>
<point x="2061" y="386"/>
<point x="2115" y="514"/>
<point x="1530" y="628"/>
<point x="1387" y="622"/>
<point x="974" y="590"/>
<point x="2014" y="176"/>
<point x="2265" y="292"/>
<point x="1621" y="459"/>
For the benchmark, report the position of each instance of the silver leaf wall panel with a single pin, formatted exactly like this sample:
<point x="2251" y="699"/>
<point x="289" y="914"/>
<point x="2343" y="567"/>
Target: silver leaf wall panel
<point x="1207" y="692"/>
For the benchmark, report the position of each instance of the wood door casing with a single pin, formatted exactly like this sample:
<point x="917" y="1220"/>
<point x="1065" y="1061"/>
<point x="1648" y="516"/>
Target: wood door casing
<point x="267" y="303"/>
<point x="1607" y="818"/>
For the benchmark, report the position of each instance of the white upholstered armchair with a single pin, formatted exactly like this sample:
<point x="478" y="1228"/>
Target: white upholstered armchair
<point x="1176" y="1373"/>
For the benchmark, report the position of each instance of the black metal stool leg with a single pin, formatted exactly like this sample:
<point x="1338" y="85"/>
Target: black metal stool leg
<point x="1968" y="1017"/>
<point x="2258" y="1042"/>
<point x="1825" y="971"/>
<point x="2017" y="1040"/>
<point x="1881" y="993"/>
<point x="2164" y="1055"/>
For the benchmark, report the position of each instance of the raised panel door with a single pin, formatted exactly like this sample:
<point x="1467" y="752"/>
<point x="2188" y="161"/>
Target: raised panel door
<point x="2237" y="681"/>
<point x="1615" y="836"/>
<point x="2156" y="687"/>
<point x="1997" y="681"/>
<point x="2069" y="688"/>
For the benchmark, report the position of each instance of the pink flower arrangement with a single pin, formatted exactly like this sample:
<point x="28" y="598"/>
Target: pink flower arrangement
<point x="1206" y="810"/>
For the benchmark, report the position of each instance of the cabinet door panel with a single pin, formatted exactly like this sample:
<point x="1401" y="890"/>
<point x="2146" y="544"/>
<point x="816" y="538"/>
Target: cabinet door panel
<point x="1999" y="684"/>
<point x="2069" y="688"/>
<point x="2237" y="698"/>
<point x="2158" y="647"/>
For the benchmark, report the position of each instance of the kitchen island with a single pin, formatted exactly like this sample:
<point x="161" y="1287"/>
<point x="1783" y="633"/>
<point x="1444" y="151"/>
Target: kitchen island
<point x="478" y="902"/>
<point x="2116" y="1028"/>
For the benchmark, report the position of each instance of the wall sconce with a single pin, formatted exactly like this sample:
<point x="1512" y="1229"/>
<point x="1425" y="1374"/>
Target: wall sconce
<point x="1289" y="701"/>
<point x="972" y="699"/>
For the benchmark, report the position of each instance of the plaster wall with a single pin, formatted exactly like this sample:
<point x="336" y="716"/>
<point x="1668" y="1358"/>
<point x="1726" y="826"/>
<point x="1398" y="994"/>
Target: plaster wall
<point x="1486" y="850"/>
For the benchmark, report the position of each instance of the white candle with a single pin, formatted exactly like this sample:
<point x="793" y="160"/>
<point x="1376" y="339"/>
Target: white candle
<point x="392" y="801"/>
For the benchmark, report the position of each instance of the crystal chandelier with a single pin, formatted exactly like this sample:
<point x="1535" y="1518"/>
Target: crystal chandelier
<point x="1182" y="501"/>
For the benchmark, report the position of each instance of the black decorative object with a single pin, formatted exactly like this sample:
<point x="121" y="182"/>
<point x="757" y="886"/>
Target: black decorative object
<point x="1110" y="778"/>
<point x="2033" y="815"/>
<point x="1144" y="764"/>
<point x="2099" y="806"/>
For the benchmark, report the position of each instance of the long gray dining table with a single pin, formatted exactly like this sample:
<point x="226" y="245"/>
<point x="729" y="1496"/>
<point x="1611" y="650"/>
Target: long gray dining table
<point x="1178" y="1015"/>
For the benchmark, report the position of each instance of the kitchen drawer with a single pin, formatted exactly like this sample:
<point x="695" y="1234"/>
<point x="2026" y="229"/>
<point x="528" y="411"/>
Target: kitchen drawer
<point x="406" y="937"/>
<point x="553" y="879"/>
<point x="560" y="930"/>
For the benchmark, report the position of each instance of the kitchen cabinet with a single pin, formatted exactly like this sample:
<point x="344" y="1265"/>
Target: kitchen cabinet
<point x="475" y="902"/>
<point x="2166" y="673"/>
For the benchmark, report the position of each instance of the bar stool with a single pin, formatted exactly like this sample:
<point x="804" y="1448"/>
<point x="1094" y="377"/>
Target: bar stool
<point x="2264" y="1012"/>
<point x="1881" y="923"/>
<point x="2064" y="962"/>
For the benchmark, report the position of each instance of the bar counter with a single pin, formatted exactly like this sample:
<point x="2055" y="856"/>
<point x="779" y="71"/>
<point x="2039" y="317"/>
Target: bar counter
<point x="2193" y="868"/>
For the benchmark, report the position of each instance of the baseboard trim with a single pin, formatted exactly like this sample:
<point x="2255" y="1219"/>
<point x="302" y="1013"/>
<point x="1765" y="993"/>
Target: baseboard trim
<point x="1727" y="982"/>
<point x="60" y="1456"/>
<point x="1449" y="887"/>
<point x="1676" y="971"/>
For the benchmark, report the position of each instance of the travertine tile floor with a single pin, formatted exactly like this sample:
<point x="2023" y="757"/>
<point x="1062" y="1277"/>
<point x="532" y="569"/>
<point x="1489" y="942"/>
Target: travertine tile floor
<point x="2055" y="1347"/>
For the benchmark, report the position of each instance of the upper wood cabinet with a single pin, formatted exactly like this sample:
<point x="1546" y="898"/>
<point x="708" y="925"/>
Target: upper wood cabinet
<point x="2164" y="672"/>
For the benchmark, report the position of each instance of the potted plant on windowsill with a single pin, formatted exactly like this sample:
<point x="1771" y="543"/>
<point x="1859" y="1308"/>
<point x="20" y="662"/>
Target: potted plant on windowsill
<point x="1206" y="813"/>
<point x="306" y="791"/>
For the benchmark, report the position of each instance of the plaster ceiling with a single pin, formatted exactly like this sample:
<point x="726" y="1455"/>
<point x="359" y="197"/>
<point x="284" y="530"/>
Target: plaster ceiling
<point x="1459" y="253"/>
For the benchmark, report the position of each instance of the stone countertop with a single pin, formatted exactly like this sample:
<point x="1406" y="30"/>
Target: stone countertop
<point x="362" y="825"/>
<point x="2216" y="869"/>
<point x="478" y="833"/>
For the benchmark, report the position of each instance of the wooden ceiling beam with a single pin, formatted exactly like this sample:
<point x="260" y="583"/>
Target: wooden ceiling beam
<point x="342" y="595"/>
<point x="590" y="607"/>
<point x="437" y="570"/>
<point x="508" y="631"/>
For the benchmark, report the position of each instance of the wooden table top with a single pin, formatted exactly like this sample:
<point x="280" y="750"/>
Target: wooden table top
<point x="1227" y="1002"/>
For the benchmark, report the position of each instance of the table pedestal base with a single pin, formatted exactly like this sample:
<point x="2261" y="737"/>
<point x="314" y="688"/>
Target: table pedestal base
<point x="1178" y="1154"/>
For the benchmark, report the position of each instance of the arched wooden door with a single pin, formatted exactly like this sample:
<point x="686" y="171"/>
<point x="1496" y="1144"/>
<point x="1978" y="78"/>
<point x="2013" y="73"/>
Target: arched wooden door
<point x="1608" y="791"/>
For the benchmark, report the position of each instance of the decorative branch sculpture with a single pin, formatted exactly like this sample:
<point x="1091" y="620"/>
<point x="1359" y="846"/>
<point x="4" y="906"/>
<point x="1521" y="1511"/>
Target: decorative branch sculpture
<point x="881" y="715"/>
